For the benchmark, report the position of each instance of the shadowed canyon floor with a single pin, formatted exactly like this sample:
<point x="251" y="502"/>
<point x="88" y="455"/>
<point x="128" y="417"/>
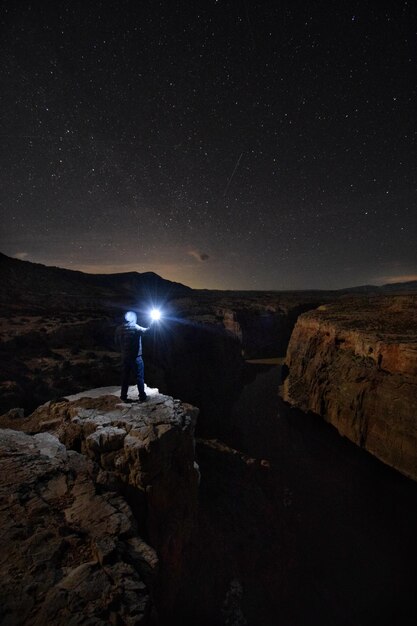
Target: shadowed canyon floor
<point x="319" y="532"/>
<point x="296" y="525"/>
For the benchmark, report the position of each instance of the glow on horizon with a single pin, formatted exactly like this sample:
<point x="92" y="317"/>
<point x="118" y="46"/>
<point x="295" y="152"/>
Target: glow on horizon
<point x="191" y="275"/>
<point x="402" y="278"/>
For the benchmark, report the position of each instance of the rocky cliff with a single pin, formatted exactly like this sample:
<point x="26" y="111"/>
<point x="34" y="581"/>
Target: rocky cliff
<point x="46" y="357"/>
<point x="95" y="486"/>
<point x="354" y="363"/>
<point x="69" y="554"/>
<point x="261" y="322"/>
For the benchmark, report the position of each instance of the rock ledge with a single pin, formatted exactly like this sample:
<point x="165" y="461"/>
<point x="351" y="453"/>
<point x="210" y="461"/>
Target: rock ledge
<point x="125" y="477"/>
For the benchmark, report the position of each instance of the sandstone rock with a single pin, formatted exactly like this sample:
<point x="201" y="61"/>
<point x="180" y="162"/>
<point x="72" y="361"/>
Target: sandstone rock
<point x="145" y="451"/>
<point x="65" y="548"/>
<point x="14" y="414"/>
<point x="355" y="363"/>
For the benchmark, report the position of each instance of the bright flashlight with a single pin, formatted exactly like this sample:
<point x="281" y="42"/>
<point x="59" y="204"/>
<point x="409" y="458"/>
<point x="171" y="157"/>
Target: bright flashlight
<point x="155" y="315"/>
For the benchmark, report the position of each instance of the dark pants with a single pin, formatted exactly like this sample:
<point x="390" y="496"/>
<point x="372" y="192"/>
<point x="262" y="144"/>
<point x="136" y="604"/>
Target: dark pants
<point x="129" y="363"/>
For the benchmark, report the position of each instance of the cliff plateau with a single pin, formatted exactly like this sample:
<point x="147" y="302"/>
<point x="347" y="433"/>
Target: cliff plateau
<point x="354" y="362"/>
<point x="96" y="490"/>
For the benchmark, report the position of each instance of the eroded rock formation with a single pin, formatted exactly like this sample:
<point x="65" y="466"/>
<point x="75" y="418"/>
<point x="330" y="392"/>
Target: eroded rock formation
<point x="354" y="362"/>
<point x="260" y="321"/>
<point x="69" y="553"/>
<point x="142" y="452"/>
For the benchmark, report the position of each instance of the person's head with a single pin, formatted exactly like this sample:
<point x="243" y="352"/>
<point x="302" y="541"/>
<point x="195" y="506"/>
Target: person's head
<point x="131" y="317"/>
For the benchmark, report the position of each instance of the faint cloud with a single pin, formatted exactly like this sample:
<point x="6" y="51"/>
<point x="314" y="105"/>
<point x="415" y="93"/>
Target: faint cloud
<point x="200" y="256"/>
<point x="21" y="255"/>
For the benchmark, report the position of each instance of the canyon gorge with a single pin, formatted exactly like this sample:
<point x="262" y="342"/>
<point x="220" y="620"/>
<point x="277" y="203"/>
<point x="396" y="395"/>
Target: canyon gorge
<point x="230" y="497"/>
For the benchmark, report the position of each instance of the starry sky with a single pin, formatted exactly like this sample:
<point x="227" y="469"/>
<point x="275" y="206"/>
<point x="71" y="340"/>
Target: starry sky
<point x="231" y="144"/>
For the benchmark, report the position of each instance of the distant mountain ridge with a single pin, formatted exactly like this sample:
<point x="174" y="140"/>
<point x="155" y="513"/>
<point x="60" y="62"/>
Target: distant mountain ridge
<point x="41" y="286"/>
<point x="405" y="287"/>
<point x="410" y="285"/>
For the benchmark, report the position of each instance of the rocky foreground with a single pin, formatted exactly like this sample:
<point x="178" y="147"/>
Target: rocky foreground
<point x="354" y="362"/>
<point x="98" y="500"/>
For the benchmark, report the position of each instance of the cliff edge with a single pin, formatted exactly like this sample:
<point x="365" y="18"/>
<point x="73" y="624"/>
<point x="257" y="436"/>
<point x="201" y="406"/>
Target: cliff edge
<point x="354" y="362"/>
<point x="98" y="502"/>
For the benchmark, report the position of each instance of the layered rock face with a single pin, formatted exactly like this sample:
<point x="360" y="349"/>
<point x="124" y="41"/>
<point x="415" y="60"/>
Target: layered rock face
<point x="142" y="452"/>
<point x="354" y="363"/>
<point x="69" y="554"/>
<point x="261" y="322"/>
<point x="264" y="328"/>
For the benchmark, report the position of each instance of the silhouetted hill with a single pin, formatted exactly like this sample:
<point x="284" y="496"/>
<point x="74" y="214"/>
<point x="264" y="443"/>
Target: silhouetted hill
<point x="39" y="286"/>
<point x="407" y="287"/>
<point x="400" y="288"/>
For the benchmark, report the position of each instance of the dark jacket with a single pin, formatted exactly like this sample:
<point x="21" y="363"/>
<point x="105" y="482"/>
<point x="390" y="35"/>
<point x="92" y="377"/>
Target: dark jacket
<point x="128" y="339"/>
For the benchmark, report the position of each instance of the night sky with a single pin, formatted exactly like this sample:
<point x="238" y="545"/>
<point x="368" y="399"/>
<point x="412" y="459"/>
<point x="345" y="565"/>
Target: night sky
<point x="239" y="144"/>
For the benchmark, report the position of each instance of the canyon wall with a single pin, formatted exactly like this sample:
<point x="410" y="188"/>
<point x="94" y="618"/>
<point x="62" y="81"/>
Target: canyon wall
<point x="354" y="362"/>
<point x="142" y="457"/>
<point x="264" y="330"/>
<point x="261" y="322"/>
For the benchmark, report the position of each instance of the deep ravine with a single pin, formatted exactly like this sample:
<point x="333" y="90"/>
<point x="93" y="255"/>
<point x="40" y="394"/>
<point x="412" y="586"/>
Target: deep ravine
<point x="300" y="526"/>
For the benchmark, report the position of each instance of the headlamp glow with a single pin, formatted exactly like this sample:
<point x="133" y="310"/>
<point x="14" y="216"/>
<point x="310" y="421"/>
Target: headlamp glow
<point x="155" y="315"/>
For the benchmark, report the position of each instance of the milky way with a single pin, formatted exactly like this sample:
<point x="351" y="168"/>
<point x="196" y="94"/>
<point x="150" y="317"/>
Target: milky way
<point x="225" y="144"/>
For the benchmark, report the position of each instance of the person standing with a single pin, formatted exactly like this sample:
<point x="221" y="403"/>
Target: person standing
<point x="128" y="339"/>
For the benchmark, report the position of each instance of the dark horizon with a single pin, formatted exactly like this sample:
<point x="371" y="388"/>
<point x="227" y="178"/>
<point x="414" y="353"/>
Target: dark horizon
<point x="224" y="145"/>
<point x="348" y="287"/>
